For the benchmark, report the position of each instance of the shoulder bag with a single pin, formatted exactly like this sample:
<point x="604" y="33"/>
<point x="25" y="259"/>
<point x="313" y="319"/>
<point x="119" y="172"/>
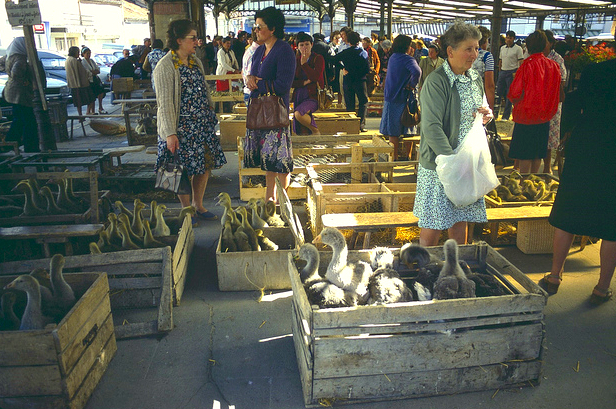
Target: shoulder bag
<point x="325" y="95"/>
<point x="173" y="177"/>
<point x="267" y="112"/>
<point x="411" y="115"/>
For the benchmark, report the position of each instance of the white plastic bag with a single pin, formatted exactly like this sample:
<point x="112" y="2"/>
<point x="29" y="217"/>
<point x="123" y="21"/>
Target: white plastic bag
<point x="468" y="174"/>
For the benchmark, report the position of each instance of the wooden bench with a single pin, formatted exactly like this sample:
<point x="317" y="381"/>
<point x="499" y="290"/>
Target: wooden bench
<point x="50" y="234"/>
<point x="369" y="222"/>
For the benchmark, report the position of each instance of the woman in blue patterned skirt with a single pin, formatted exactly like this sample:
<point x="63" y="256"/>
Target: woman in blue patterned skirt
<point x="450" y="98"/>
<point x="186" y="119"/>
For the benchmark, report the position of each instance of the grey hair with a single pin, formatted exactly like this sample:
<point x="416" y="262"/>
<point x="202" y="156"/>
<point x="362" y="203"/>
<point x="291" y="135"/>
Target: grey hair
<point x="458" y="33"/>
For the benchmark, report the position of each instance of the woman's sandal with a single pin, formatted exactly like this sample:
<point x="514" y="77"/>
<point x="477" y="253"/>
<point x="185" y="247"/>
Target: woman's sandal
<point x="547" y="285"/>
<point x="597" y="299"/>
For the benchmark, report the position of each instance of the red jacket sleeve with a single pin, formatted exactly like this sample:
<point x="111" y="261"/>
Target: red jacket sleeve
<point x="516" y="90"/>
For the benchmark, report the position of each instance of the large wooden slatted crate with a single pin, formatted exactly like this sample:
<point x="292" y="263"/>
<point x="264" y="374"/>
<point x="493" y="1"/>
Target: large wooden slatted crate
<point x="405" y="350"/>
<point x="144" y="280"/>
<point x="255" y="270"/>
<point x="373" y="197"/>
<point x="332" y="122"/>
<point x="311" y="149"/>
<point x="58" y="368"/>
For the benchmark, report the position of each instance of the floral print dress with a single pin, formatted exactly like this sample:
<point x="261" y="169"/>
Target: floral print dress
<point x="432" y="207"/>
<point x="200" y="148"/>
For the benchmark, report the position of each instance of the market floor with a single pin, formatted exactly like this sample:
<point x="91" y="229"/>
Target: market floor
<point x="228" y="348"/>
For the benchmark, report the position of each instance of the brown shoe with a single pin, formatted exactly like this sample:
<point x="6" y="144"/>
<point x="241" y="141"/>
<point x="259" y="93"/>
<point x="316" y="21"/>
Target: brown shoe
<point x="547" y="285"/>
<point x="600" y="296"/>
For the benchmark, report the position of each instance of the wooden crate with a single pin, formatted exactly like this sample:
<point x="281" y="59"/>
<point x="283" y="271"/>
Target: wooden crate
<point x="324" y="198"/>
<point x="535" y="237"/>
<point x="405" y="350"/>
<point x="123" y="85"/>
<point x="139" y="111"/>
<point x="91" y="176"/>
<point x="334" y="122"/>
<point x="232" y="127"/>
<point x="254" y="270"/>
<point x="69" y="218"/>
<point x="306" y="150"/>
<point x="59" y="367"/>
<point x="240" y="109"/>
<point x="138" y="279"/>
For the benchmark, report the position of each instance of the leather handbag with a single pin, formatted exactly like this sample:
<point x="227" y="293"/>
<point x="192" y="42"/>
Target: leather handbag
<point x="411" y="115"/>
<point x="173" y="177"/>
<point x="325" y="96"/>
<point x="497" y="152"/>
<point x="267" y="112"/>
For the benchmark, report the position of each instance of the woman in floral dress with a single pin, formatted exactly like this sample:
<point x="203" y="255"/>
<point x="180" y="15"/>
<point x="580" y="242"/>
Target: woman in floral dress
<point x="186" y="119"/>
<point x="450" y="98"/>
<point x="554" y="138"/>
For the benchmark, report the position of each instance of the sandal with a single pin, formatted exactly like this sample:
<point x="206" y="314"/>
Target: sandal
<point x="207" y="215"/>
<point x="596" y="299"/>
<point x="548" y="286"/>
<point x="102" y="112"/>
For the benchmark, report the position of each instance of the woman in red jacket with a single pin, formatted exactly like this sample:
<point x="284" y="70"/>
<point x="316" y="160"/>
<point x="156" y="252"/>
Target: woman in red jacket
<point x="308" y="72"/>
<point x="535" y="95"/>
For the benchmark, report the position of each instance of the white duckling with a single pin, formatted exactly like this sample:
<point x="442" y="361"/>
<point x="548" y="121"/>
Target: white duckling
<point x="348" y="276"/>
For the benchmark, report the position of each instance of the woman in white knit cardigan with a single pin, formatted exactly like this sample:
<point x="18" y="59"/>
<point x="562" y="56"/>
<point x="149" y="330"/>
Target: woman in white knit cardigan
<point x="186" y="120"/>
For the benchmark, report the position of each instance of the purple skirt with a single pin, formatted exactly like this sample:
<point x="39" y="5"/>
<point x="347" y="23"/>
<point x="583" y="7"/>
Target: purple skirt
<point x="304" y="105"/>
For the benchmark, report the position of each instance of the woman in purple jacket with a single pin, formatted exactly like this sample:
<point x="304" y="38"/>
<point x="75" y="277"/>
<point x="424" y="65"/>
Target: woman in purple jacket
<point x="273" y="64"/>
<point x="403" y="73"/>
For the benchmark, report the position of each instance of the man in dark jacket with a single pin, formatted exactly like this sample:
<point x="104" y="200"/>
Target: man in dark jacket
<point x="320" y="47"/>
<point x="239" y="46"/>
<point x="354" y="70"/>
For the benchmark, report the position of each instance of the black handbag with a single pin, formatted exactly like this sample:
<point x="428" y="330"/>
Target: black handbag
<point x="495" y="144"/>
<point x="267" y="112"/>
<point x="172" y="177"/>
<point x="411" y="115"/>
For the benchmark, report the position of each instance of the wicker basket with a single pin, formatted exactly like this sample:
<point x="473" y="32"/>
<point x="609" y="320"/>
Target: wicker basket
<point x="535" y="237"/>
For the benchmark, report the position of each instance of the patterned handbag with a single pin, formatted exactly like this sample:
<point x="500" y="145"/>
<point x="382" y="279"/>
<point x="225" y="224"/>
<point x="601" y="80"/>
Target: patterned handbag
<point x="172" y="177"/>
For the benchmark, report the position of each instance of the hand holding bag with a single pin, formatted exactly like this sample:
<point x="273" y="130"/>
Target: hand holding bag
<point x="173" y="177"/>
<point x="267" y="112"/>
<point x="468" y="174"/>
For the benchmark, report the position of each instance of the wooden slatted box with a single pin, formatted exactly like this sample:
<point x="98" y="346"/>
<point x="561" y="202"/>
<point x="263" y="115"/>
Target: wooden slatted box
<point x="146" y="283"/>
<point x="405" y="350"/>
<point x="58" y="368"/>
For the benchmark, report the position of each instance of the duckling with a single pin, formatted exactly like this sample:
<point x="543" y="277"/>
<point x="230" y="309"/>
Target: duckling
<point x="225" y="200"/>
<point x="264" y="242"/>
<point x="123" y="219"/>
<point x="127" y="242"/>
<point x="30" y="209"/>
<point x="248" y="214"/>
<point x="37" y="198"/>
<point x="227" y="244"/>
<point x="452" y="282"/>
<point x="149" y="241"/>
<point x="252" y="236"/>
<point x="94" y="248"/>
<point x="175" y="223"/>
<point x="63" y="295"/>
<point x="43" y="278"/>
<point x="381" y="257"/>
<point x="554" y="186"/>
<point x="104" y="243"/>
<point x="52" y="207"/>
<point x="386" y="287"/>
<point x="137" y="224"/>
<point x="542" y="191"/>
<point x="114" y="234"/>
<point x="120" y="206"/>
<point x="62" y="200"/>
<point x="153" y="205"/>
<point x="327" y="295"/>
<point x="514" y="187"/>
<point x="32" y="317"/>
<point x="8" y="319"/>
<point x="272" y="218"/>
<point x="257" y="222"/>
<point x="68" y="186"/>
<point x="241" y="240"/>
<point x="348" y="276"/>
<point x="534" y="178"/>
<point x="486" y="285"/>
<point x="261" y="207"/>
<point x="309" y="274"/>
<point x="493" y="194"/>
<point x="161" y="228"/>
<point x="528" y="189"/>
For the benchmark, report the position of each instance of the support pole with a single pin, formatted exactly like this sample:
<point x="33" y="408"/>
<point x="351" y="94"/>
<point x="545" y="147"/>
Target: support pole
<point x="390" y="6"/>
<point x="497" y="21"/>
<point x="45" y="135"/>
<point x="382" y="25"/>
<point x="539" y="23"/>
<point x="151" y="20"/>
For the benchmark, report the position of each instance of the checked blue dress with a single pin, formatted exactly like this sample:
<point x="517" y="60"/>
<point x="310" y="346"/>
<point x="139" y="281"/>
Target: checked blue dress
<point x="432" y="207"/>
<point x="200" y="148"/>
